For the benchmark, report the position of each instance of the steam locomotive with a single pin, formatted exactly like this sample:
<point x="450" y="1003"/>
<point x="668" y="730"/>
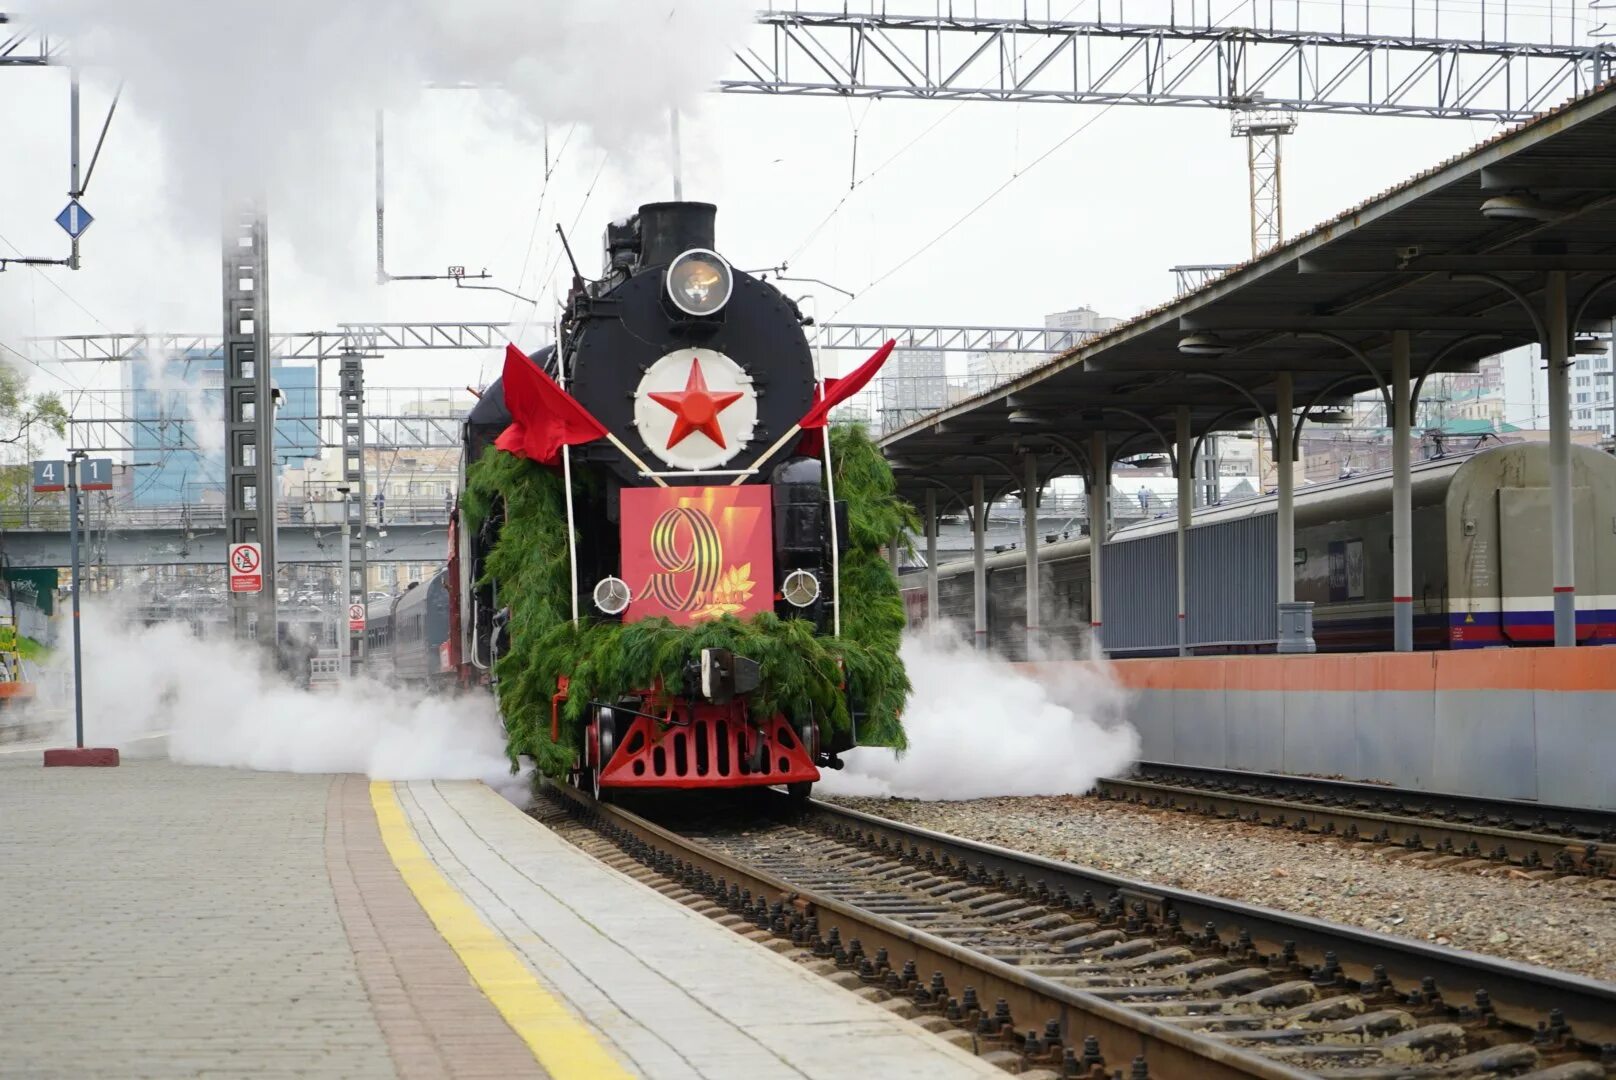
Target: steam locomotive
<point x="664" y="424"/>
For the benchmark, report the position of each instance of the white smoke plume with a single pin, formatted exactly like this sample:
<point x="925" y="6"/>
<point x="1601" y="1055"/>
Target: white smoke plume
<point x="219" y="707"/>
<point x="979" y="727"/>
<point x="189" y="413"/>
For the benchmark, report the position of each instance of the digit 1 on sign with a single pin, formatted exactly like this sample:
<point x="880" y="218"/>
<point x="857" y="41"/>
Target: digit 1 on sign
<point x="95" y="474"/>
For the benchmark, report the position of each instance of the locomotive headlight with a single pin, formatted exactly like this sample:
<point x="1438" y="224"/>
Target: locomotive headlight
<point x="612" y="595"/>
<point x="699" y="282"/>
<point x="800" y="588"/>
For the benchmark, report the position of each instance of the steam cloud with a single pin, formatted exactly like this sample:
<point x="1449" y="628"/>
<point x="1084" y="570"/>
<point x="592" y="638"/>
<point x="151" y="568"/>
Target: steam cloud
<point x="253" y="98"/>
<point x="978" y="727"/>
<point x="219" y="708"/>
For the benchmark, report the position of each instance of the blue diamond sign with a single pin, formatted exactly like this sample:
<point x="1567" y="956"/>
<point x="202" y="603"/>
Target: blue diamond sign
<point x="74" y="219"/>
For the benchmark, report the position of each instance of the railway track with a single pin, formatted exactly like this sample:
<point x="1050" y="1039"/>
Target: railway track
<point x="1537" y="837"/>
<point x="1059" y="970"/>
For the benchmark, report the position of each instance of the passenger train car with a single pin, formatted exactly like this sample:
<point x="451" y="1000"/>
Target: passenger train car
<point x="1481" y="559"/>
<point x="407" y="642"/>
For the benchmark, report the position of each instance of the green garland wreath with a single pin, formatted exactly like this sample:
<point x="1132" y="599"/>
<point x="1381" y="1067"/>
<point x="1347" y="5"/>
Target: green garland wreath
<point x="800" y="672"/>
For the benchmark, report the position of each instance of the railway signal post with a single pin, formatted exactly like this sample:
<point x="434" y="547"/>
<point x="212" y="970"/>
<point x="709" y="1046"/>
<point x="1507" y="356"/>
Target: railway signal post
<point x="49" y="476"/>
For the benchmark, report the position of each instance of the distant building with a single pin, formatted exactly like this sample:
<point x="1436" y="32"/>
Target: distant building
<point x="914" y="383"/>
<point x="416" y="486"/>
<point x="179" y="443"/>
<point x="1592" y="393"/>
<point x="987" y="368"/>
<point x="994" y="366"/>
<point x="1080" y="318"/>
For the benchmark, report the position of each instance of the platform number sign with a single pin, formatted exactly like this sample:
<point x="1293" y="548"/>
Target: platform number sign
<point x="246" y="568"/>
<point x="50" y="476"/>
<point x="95" y="474"/>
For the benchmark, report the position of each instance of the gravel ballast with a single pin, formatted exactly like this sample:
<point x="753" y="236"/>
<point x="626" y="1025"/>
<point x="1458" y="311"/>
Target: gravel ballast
<point x="1563" y="923"/>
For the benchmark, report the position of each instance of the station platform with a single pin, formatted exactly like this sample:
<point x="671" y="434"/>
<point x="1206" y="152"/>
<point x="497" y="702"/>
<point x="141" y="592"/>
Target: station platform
<point x="159" y="920"/>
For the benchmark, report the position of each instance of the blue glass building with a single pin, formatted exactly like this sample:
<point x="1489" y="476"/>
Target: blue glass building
<point x="179" y="437"/>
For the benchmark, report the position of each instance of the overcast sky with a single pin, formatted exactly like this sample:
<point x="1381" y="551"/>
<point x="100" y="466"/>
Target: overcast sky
<point x="1098" y="222"/>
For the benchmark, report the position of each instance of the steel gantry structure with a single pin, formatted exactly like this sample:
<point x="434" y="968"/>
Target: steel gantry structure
<point x="1272" y="72"/>
<point x="978" y="339"/>
<point x="1205" y="65"/>
<point x="303" y="345"/>
<point x="382" y="337"/>
<point x="111" y="421"/>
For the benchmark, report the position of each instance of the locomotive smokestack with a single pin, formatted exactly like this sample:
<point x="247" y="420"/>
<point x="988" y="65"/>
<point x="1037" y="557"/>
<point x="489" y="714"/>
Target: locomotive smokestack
<point x="668" y="228"/>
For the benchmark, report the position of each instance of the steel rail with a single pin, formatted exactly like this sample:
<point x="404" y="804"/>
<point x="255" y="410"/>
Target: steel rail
<point x="1520" y="995"/>
<point x="1123" y="1034"/>
<point x="1565" y="839"/>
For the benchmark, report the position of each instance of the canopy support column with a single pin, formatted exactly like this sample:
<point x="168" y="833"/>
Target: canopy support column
<point x="1029" y="528"/>
<point x="979" y="575"/>
<point x="1186" y="499"/>
<point x="1295" y="620"/>
<point x="1099" y="525"/>
<point x="1402" y="501"/>
<point x="931" y="559"/>
<point x="1565" y="588"/>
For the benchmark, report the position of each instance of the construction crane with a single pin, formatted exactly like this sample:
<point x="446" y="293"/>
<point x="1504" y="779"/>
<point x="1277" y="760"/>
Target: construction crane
<point x="1264" y="131"/>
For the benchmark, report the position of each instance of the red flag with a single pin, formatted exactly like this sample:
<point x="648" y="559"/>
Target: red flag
<point x="839" y="390"/>
<point x="544" y="417"/>
<point x="813" y="442"/>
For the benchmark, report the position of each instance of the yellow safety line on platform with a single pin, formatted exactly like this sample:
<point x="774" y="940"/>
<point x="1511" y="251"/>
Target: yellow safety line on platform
<point x="559" y="1040"/>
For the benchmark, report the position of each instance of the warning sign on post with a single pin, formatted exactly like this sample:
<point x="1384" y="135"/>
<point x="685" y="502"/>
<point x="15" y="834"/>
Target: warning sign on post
<point x="356" y="616"/>
<point x="246" y="568"/>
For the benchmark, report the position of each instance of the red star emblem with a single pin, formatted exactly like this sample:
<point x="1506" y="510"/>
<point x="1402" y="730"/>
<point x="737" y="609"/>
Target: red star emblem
<point x="695" y="408"/>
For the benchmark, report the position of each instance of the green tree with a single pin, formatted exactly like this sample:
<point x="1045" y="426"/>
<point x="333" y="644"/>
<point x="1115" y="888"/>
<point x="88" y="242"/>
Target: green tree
<point x="24" y="418"/>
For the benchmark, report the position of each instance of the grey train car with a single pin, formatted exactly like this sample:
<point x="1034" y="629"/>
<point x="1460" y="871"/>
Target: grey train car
<point x="418" y="632"/>
<point x="1481" y="554"/>
<point x="379" y="641"/>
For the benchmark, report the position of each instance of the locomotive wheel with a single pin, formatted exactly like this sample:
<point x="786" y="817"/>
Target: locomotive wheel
<point x="604" y="732"/>
<point x="807" y="734"/>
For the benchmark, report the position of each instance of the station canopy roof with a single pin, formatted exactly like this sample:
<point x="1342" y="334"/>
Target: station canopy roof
<point x="1417" y="258"/>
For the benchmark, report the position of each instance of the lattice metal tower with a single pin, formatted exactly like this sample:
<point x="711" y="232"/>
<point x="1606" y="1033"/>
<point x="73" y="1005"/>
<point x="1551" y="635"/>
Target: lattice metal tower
<point x="1264" y="131"/>
<point x="351" y="383"/>
<point x="249" y="411"/>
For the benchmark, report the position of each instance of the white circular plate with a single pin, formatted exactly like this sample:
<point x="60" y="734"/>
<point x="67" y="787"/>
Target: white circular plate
<point x="800" y="588"/>
<point x="695" y="409"/>
<point x="612" y="595"/>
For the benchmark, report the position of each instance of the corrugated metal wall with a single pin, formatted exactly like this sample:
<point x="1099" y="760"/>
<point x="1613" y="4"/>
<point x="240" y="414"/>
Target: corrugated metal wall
<point x="1232" y="593"/>
<point x="1007" y="612"/>
<point x="1232" y="588"/>
<point x="1140" y="594"/>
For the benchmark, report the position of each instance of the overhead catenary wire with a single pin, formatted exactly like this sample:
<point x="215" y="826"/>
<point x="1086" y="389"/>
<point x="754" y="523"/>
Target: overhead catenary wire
<point x="1015" y="175"/>
<point x="555" y="260"/>
<point x="858" y="182"/>
<point x="550" y="167"/>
